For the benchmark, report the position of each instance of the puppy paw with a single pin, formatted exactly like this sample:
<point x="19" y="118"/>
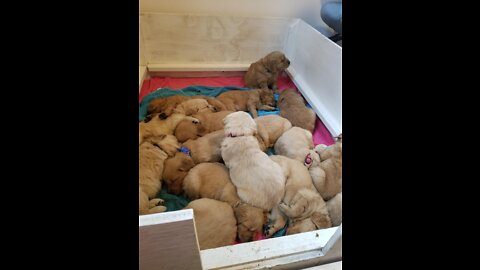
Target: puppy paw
<point x="155" y="202"/>
<point x="319" y="148"/>
<point x="270" y="231"/>
<point x="157" y="209"/>
<point x="283" y="207"/>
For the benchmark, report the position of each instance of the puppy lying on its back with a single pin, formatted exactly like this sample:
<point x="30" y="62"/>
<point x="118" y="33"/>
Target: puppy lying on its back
<point x="292" y="107"/>
<point x="264" y="73"/>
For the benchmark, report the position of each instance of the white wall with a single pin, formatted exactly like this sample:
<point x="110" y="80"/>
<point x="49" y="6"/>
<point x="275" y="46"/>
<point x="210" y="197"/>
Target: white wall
<point x="308" y="10"/>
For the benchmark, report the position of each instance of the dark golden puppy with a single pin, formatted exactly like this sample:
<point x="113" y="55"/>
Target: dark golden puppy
<point x="212" y="180"/>
<point x="175" y="170"/>
<point x="166" y="105"/>
<point x="264" y="73"/>
<point x="248" y="100"/>
<point x="210" y="122"/>
<point x="292" y="107"/>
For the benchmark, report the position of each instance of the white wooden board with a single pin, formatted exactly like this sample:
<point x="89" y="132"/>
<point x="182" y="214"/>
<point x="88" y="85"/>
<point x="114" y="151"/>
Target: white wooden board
<point x="188" y="39"/>
<point x="316" y="68"/>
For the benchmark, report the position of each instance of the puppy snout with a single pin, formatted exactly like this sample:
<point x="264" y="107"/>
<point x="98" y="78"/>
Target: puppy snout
<point x="288" y="61"/>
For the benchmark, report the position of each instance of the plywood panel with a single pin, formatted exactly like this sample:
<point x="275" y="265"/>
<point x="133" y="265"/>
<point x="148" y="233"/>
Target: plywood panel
<point x="308" y="10"/>
<point x="142" y="60"/>
<point x="168" y="241"/>
<point x="316" y="68"/>
<point x="187" y="39"/>
<point x="273" y="253"/>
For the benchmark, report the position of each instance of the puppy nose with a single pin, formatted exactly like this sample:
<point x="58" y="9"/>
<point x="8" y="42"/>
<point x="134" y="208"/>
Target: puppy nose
<point x="288" y="62"/>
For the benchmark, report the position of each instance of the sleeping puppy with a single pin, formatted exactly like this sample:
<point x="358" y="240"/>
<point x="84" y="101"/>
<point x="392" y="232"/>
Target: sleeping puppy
<point x="334" y="206"/>
<point x="269" y="129"/>
<point x="297" y="143"/>
<point x="248" y="100"/>
<point x="330" y="182"/>
<point x="214" y="222"/>
<point x="206" y="148"/>
<point x="159" y="124"/>
<point x="193" y="106"/>
<point x="264" y="73"/>
<point x="292" y="107"/>
<point x="152" y="155"/>
<point x="301" y="200"/>
<point x="209" y="122"/>
<point x="176" y="168"/>
<point x="212" y="180"/>
<point x="258" y="179"/>
<point x="166" y="105"/>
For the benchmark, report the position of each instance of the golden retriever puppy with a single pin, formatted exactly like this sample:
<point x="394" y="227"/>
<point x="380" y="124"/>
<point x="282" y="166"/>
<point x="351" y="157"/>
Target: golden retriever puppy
<point x="193" y="106"/>
<point x="297" y="143"/>
<point x="166" y="105"/>
<point x="159" y="124"/>
<point x="334" y="206"/>
<point x="152" y="155"/>
<point x="176" y="168"/>
<point x="301" y="200"/>
<point x="269" y="129"/>
<point x="206" y="148"/>
<point x="330" y="181"/>
<point x="317" y="221"/>
<point x="214" y="222"/>
<point x="264" y="73"/>
<point x="292" y="106"/>
<point x="209" y="122"/>
<point x="212" y="180"/>
<point x="248" y="100"/>
<point x="258" y="179"/>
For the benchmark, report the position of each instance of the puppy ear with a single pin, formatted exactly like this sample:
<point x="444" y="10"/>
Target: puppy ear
<point x="263" y="134"/>
<point x="321" y="221"/>
<point x="201" y="129"/>
<point x="186" y="165"/>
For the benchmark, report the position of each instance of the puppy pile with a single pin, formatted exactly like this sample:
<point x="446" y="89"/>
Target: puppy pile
<point x="213" y="152"/>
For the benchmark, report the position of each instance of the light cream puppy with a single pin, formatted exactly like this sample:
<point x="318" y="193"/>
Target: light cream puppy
<point x="259" y="180"/>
